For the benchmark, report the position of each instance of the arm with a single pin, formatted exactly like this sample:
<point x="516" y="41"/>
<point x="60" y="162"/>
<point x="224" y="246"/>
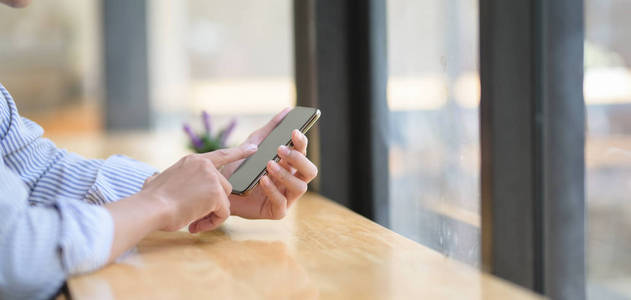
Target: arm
<point x="45" y="237"/>
<point x="50" y="172"/>
<point x="40" y="245"/>
<point x="134" y="218"/>
<point x="190" y="189"/>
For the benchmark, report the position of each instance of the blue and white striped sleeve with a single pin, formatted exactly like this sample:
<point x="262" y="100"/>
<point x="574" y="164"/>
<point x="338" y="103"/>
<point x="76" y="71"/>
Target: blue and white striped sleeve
<point x="50" y="172"/>
<point x="40" y="245"/>
<point x="51" y="221"/>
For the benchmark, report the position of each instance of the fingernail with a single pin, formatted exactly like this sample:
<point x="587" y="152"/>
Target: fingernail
<point x="274" y="166"/>
<point x="265" y="180"/>
<point x="251" y="148"/>
<point x="283" y="150"/>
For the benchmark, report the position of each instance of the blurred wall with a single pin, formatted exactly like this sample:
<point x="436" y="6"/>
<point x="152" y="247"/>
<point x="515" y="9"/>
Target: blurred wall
<point x="50" y="53"/>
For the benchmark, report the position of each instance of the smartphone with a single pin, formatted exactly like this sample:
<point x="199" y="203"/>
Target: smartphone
<point x="248" y="174"/>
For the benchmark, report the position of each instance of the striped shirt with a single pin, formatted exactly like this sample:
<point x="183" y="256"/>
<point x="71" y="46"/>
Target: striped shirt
<point x="52" y="224"/>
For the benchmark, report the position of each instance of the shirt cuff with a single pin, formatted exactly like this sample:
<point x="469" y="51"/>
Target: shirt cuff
<point x="87" y="233"/>
<point x="119" y="177"/>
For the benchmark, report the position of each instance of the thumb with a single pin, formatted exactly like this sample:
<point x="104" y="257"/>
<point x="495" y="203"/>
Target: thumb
<point x="228" y="155"/>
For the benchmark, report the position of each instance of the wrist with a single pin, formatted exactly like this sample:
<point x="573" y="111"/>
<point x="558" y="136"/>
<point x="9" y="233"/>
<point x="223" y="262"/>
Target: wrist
<point x="158" y="209"/>
<point x="134" y="217"/>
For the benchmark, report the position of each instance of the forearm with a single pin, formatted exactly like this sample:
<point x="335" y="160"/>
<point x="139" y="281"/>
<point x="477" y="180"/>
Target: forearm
<point x="43" y="244"/>
<point x="134" y="218"/>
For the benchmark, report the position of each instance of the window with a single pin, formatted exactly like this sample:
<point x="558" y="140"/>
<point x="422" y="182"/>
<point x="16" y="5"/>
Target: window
<point x="50" y="63"/>
<point x="233" y="59"/>
<point x="433" y="96"/>
<point x="607" y="88"/>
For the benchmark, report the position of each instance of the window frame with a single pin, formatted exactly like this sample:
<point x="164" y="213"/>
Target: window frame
<point x="341" y="67"/>
<point x="532" y="140"/>
<point x="126" y="65"/>
<point x="532" y="119"/>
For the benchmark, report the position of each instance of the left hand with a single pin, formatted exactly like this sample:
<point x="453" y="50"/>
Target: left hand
<point x="285" y="182"/>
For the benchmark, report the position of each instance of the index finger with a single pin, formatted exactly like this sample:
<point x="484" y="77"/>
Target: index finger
<point x="225" y="156"/>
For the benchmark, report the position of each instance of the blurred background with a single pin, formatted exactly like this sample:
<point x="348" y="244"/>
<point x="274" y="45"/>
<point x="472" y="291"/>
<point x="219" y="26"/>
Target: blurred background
<point x="236" y="59"/>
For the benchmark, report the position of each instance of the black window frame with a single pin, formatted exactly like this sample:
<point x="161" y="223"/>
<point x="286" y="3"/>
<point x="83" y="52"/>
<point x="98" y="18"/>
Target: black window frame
<point x="340" y="66"/>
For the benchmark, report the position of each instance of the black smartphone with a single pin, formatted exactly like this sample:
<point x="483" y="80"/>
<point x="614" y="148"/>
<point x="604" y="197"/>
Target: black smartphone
<point x="248" y="174"/>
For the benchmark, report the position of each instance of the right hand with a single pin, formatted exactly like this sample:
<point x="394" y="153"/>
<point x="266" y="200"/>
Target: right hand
<point x="193" y="189"/>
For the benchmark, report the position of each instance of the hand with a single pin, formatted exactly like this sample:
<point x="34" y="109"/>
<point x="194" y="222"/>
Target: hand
<point x="193" y="188"/>
<point x="256" y="138"/>
<point x="278" y="190"/>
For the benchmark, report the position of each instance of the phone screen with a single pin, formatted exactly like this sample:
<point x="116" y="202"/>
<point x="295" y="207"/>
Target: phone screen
<point x="251" y="170"/>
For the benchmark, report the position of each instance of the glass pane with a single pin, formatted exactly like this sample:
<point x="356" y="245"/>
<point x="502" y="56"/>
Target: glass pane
<point x="51" y="64"/>
<point x="607" y="88"/>
<point x="433" y="95"/>
<point x="231" y="58"/>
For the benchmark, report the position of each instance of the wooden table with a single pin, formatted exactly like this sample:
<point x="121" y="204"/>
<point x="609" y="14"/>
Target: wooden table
<point x="320" y="250"/>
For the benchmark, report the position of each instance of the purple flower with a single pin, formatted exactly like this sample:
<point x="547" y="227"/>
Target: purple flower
<point x="226" y="132"/>
<point x="197" y="143"/>
<point x="206" y="120"/>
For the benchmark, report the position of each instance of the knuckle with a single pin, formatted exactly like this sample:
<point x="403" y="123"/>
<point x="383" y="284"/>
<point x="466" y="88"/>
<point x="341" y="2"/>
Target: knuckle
<point x="291" y="155"/>
<point x="212" y="176"/>
<point x="284" y="175"/>
<point x="223" y="152"/>
<point x="221" y="189"/>
<point x="187" y="158"/>
<point x="279" y="214"/>
<point x="206" y="165"/>
<point x="299" y="155"/>
<point x="193" y="158"/>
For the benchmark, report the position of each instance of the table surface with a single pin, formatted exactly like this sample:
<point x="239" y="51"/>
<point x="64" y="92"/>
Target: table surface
<point x="320" y="250"/>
